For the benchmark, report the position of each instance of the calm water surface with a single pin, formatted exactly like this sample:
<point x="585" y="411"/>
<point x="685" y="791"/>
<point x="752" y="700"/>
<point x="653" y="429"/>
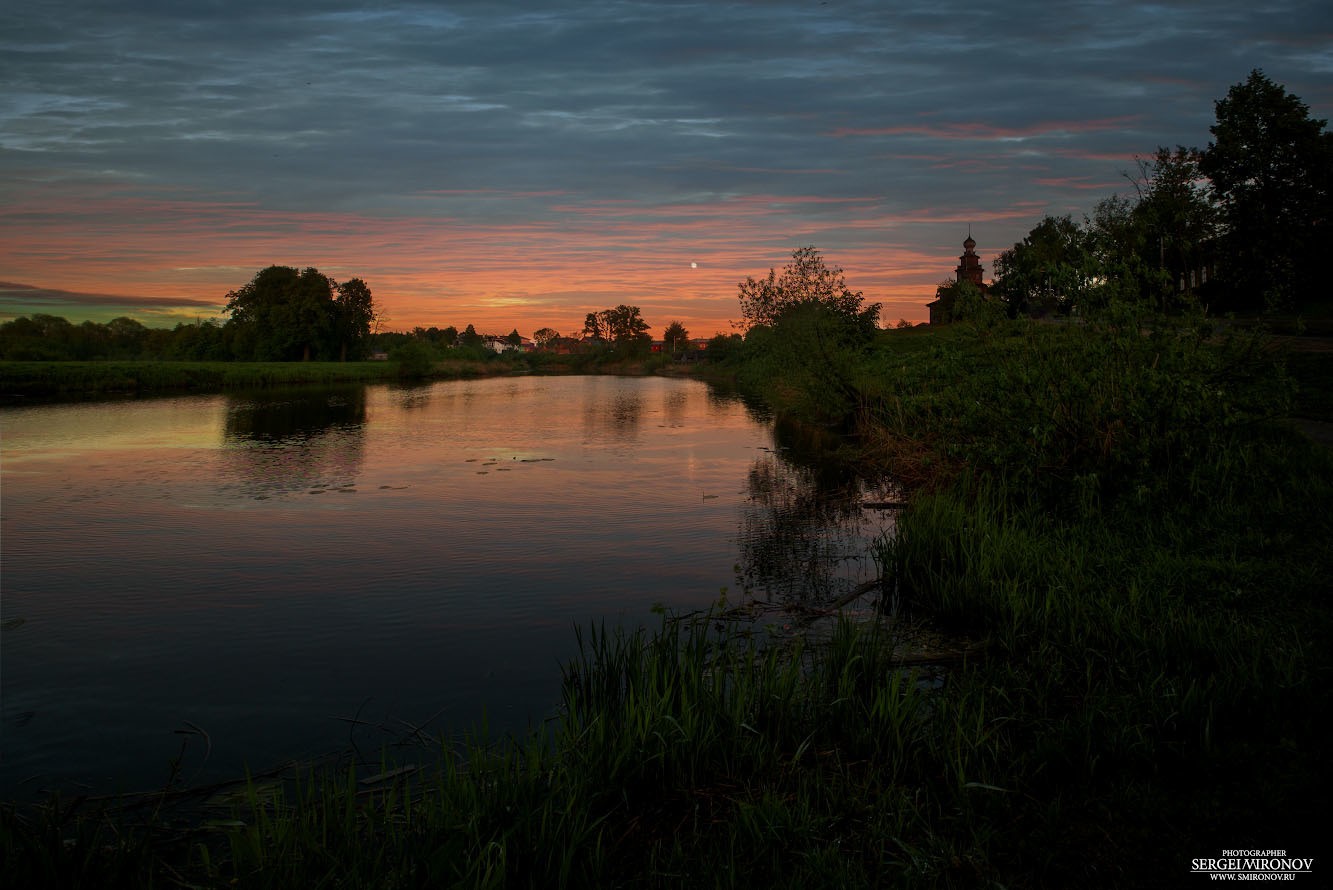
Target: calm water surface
<point x="259" y="566"/>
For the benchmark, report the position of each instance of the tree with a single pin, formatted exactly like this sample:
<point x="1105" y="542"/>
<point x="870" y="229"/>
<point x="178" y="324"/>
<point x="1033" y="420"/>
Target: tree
<point x="201" y="341"/>
<point x="514" y="338"/>
<point x="125" y="338"/>
<point x="1270" y="165"/>
<point x="622" y="325"/>
<point x="543" y="336"/>
<point x="1045" y="272"/>
<point x="354" y="316"/>
<point x="284" y="315"/>
<point x="592" y="327"/>
<point x="469" y="337"/>
<point x="808" y="326"/>
<point x="722" y="347"/>
<point x="677" y="339"/>
<point x="1152" y="247"/>
<point x="1179" y="213"/>
<point x="805" y="281"/>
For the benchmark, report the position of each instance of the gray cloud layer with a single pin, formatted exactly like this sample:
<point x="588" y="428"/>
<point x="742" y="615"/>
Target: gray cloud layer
<point x="942" y="110"/>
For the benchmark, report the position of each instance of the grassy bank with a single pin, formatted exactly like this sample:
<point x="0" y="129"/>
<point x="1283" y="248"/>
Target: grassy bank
<point x="1113" y="523"/>
<point x="78" y="379"/>
<point x="57" y="380"/>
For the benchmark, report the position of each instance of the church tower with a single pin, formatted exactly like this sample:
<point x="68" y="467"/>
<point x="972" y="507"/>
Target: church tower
<point x="969" y="265"/>
<point x="969" y="270"/>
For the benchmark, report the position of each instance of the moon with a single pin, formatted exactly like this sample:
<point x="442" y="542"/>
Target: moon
<point x="694" y="265"/>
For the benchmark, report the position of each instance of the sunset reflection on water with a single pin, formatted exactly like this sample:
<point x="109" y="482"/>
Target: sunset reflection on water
<point x="262" y="564"/>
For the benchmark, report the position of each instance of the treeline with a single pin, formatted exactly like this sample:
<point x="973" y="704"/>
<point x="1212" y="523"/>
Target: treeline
<point x="49" y="338"/>
<point x="1233" y="227"/>
<point x="615" y="334"/>
<point x="282" y="314"/>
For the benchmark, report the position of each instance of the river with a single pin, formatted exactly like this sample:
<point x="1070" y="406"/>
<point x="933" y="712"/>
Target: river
<point x="194" y="586"/>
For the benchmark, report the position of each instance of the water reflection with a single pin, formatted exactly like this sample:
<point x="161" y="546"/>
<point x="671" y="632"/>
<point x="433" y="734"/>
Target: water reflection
<point x="282" y="416"/>
<point x="413" y="396"/>
<point x="675" y="405"/>
<point x="804" y="536"/>
<point x="197" y="559"/>
<point x="616" y="415"/>
<point x="278" y="443"/>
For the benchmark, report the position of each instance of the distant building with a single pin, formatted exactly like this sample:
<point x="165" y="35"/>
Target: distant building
<point x="969" y="270"/>
<point x="496" y="343"/>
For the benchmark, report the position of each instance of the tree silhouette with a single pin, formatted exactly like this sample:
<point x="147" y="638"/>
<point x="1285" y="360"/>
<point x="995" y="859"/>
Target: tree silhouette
<point x="1271" y="167"/>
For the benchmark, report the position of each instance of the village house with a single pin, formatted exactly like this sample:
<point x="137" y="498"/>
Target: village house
<point x="504" y="344"/>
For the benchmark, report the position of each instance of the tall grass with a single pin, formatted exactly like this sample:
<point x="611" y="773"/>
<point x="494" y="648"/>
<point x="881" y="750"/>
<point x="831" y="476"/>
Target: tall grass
<point x="695" y="755"/>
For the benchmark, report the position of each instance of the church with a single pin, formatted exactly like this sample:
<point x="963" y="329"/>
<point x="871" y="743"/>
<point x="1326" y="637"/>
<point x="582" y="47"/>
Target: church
<point x="969" y="270"/>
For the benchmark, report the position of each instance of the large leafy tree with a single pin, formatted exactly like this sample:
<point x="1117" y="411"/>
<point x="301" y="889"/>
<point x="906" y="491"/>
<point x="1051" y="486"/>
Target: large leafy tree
<point x="809" y="326"/>
<point x="622" y="325"/>
<point x="1152" y="246"/>
<point x="805" y="282"/>
<point x="1047" y="271"/>
<point x="283" y="315"/>
<point x="1178" y="211"/>
<point x="1270" y="165"/>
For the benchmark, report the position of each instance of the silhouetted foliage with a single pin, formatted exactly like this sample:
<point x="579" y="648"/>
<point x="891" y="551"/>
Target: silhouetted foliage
<point x="622" y="326"/>
<point x="676" y="338"/>
<point x="1232" y="227"/>
<point x="286" y="315"/>
<point x="1047" y="272"/>
<point x="51" y="338"/>
<point x="805" y="281"/>
<point x="723" y="347"/>
<point x="1271" y="166"/>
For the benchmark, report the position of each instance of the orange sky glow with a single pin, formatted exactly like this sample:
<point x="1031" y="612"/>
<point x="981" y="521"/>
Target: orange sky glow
<point x="441" y="269"/>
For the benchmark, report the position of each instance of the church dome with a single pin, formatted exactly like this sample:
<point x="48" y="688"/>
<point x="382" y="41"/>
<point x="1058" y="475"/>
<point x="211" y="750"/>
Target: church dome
<point x="969" y="243"/>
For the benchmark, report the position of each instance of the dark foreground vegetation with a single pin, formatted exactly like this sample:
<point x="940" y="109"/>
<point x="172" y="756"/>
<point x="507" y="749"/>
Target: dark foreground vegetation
<point x="1114" y="524"/>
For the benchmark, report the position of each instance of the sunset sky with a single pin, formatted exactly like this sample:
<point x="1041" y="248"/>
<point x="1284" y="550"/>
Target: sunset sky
<point x="517" y="165"/>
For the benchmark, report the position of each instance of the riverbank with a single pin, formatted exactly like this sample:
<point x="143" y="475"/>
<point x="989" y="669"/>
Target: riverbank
<point x="47" y="380"/>
<point x="22" y="381"/>
<point x="1123" y="533"/>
